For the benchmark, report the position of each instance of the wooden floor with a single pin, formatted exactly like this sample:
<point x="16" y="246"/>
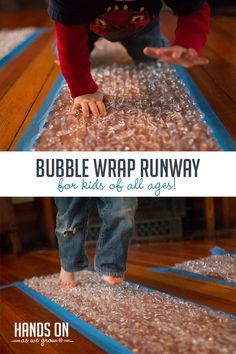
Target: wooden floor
<point x="25" y="82"/>
<point x="15" y="306"/>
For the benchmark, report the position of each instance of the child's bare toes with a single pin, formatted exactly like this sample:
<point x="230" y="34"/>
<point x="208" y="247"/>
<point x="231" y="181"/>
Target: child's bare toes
<point x="112" y="280"/>
<point x="67" y="284"/>
<point x="67" y="279"/>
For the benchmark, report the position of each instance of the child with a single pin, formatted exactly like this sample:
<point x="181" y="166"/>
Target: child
<point x="135" y="23"/>
<point x="117" y="216"/>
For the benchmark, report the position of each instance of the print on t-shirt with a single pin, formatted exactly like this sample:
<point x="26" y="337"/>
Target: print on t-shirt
<point x="121" y="19"/>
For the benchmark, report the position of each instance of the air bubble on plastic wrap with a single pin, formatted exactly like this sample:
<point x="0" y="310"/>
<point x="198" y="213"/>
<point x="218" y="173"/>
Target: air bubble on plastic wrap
<point x="150" y="110"/>
<point x="143" y="321"/>
<point x="220" y="267"/>
<point x="10" y="39"/>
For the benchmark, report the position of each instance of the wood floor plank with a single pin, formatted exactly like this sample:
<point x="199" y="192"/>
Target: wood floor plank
<point x="152" y="259"/>
<point x="217" y="80"/>
<point x="223" y="45"/>
<point x="17" y="102"/>
<point x="223" y="106"/>
<point x="27" y="310"/>
<point x="53" y="74"/>
<point x="24" y="18"/>
<point x="14" y="69"/>
<point x="140" y="258"/>
<point x="42" y="262"/>
<point x="207" y="293"/>
<point x="28" y="264"/>
<point x="5" y="347"/>
<point x="225" y="24"/>
<point x="186" y="249"/>
<point x="223" y="74"/>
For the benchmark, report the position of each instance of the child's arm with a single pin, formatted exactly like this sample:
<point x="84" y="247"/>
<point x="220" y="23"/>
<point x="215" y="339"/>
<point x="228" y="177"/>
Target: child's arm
<point x="190" y="37"/>
<point x="72" y="42"/>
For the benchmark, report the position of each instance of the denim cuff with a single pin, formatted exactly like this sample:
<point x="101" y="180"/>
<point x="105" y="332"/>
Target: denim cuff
<point x="108" y="272"/>
<point x="75" y="268"/>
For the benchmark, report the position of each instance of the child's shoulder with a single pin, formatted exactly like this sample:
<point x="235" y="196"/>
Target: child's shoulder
<point x="70" y="11"/>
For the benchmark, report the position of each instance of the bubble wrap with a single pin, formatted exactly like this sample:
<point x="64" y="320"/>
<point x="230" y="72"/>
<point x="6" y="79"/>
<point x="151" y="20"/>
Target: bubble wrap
<point x="145" y="322"/>
<point x="220" y="267"/>
<point x="10" y="39"/>
<point x="150" y="109"/>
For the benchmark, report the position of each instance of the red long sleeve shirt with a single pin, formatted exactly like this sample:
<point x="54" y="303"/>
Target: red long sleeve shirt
<point x="72" y="42"/>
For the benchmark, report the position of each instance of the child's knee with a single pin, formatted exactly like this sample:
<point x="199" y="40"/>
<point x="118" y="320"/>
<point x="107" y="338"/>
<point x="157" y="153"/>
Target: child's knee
<point x="123" y="212"/>
<point x="125" y="206"/>
<point x="68" y="230"/>
<point x="127" y="225"/>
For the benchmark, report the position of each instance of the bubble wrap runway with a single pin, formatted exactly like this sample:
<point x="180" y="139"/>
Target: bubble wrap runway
<point x="220" y="267"/>
<point x="10" y="39"/>
<point x="150" y="110"/>
<point x="143" y="321"/>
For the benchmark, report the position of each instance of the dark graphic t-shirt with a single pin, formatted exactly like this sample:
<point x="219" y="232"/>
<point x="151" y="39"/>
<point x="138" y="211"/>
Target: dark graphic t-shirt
<point x="117" y="19"/>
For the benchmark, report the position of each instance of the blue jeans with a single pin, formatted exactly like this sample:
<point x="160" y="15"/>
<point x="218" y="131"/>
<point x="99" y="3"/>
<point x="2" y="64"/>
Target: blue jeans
<point x="117" y="228"/>
<point x="150" y="36"/>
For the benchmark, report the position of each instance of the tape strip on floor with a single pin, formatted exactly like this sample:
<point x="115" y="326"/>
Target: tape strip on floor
<point x="220" y="133"/>
<point x="215" y="252"/>
<point x="20" y="48"/>
<point x="94" y="335"/>
<point x="191" y="275"/>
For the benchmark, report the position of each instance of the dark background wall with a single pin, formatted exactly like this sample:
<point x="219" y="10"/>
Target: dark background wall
<point x="175" y="218"/>
<point x="226" y="7"/>
<point x="22" y="4"/>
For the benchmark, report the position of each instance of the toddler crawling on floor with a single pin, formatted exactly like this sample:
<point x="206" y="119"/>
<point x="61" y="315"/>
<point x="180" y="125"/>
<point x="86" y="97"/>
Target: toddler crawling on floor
<point x="134" y="23"/>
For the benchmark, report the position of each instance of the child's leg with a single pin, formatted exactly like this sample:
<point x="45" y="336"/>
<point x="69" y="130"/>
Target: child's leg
<point x="150" y="36"/>
<point x="71" y="227"/>
<point x="117" y="228"/>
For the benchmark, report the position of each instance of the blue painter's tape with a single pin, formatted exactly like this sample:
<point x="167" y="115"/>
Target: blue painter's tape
<point x="7" y="286"/>
<point x="220" y="133"/>
<point x="99" y="338"/>
<point x="94" y="335"/>
<point x="218" y="251"/>
<point x="183" y="299"/>
<point x="192" y="275"/>
<point x="36" y="125"/>
<point x="19" y="49"/>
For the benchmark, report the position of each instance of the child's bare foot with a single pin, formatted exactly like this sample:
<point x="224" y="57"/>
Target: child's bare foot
<point x="112" y="280"/>
<point x="67" y="279"/>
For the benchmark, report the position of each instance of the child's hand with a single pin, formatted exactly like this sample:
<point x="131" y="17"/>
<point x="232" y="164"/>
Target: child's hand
<point x="177" y="55"/>
<point x="90" y="103"/>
